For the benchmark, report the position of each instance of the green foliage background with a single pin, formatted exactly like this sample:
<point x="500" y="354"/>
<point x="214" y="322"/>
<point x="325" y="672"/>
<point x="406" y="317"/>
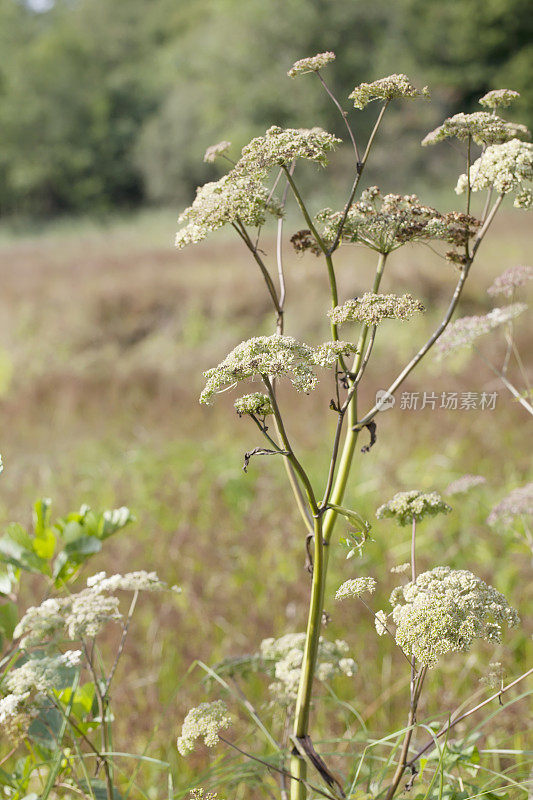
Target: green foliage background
<point x="107" y="103"/>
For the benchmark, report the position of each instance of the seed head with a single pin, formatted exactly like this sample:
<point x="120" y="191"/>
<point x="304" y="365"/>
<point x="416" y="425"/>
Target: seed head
<point x="312" y="64"/>
<point x="390" y="88"/>
<point x="406" y="505"/>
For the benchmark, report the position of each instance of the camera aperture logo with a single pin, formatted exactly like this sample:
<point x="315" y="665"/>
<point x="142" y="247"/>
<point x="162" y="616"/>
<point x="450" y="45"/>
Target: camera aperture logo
<point x="384" y="400"/>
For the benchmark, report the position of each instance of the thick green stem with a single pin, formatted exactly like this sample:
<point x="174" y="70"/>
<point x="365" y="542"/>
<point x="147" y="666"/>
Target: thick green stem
<point x="322" y="535"/>
<point x="350" y="440"/>
<point x="303" y="701"/>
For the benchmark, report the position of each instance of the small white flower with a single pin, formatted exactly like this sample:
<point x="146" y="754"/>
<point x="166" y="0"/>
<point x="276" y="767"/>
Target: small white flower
<point x="499" y="98"/>
<point x="216" y="150"/>
<point x="405" y="506"/>
<point x="389" y="88"/>
<point x="445" y="610"/>
<point x="355" y="587"/>
<point x="374" y="308"/>
<point x="507" y="167"/>
<point x="206" y="720"/>
<point x="273" y="356"/>
<point x="312" y="64"/>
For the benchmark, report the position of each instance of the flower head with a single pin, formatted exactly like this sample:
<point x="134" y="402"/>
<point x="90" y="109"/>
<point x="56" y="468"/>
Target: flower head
<point x="223" y="202"/>
<point x="464" y="484"/>
<point x="389" y="88"/>
<point x="481" y="126"/>
<point x="400" y="569"/>
<point x="465" y="330"/>
<point x="42" y="674"/>
<point x="216" y="150"/>
<point x="386" y="222"/>
<point x="517" y="503"/>
<point x="312" y="64"/>
<point x="355" y="587"/>
<point x="280" y="146"/>
<point x="445" y="610"/>
<point x="406" y="506"/>
<point x="282" y="659"/>
<point x="374" y="308"/>
<point x="499" y="98"/>
<point x="273" y="355"/>
<point x="507" y="167"/>
<point x="206" y="720"/>
<point x="78" y="615"/>
<point x="509" y="281"/>
<point x="131" y="582"/>
<point x="256" y="403"/>
<point x="16" y="714"/>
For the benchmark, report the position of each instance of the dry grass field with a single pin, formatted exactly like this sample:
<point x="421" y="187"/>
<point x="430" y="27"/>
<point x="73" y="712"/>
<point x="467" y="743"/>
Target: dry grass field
<point x="104" y="333"/>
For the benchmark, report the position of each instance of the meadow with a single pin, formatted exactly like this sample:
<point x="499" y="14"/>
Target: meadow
<point x="104" y="332"/>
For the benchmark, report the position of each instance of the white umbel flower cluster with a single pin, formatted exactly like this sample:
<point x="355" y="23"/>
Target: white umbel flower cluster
<point x="390" y="88"/>
<point x="507" y="167"/>
<point x="355" y="587"/>
<point x="219" y="203"/>
<point x="445" y="610"/>
<point x="386" y="222"/>
<point x="281" y="146"/>
<point x="41" y="674"/>
<point x="405" y="506"/>
<point x="372" y="309"/>
<point x="311" y="64"/>
<point x="276" y="356"/>
<point x="465" y="330"/>
<point x="85" y="613"/>
<point x="216" y="150"/>
<point x="204" y="721"/>
<point x="509" y="281"/>
<point x="140" y="581"/>
<point x="499" y="98"/>
<point x="16" y="714"/>
<point x="518" y="503"/>
<point x="282" y="659"/>
<point x="401" y="569"/>
<point x="464" y="484"/>
<point x="256" y="403"/>
<point x="481" y="126"/>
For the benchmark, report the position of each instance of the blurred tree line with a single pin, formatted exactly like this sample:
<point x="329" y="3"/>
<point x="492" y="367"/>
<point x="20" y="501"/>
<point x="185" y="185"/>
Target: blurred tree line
<point x="109" y="103"/>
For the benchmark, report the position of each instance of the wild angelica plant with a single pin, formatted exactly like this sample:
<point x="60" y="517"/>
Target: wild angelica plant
<point x="56" y="710"/>
<point x="442" y="609"/>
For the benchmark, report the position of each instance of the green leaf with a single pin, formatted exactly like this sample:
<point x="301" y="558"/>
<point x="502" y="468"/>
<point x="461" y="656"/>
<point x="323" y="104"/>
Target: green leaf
<point x="353" y="516"/>
<point x="42" y="516"/>
<point x="45" y="545"/>
<point x="14" y="551"/>
<point x="82" y="548"/>
<point x="71" y="531"/>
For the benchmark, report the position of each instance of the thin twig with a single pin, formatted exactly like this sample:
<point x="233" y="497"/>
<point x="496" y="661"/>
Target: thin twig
<point x="444" y="730"/>
<point x="342" y="112"/>
<point x="122" y="642"/>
